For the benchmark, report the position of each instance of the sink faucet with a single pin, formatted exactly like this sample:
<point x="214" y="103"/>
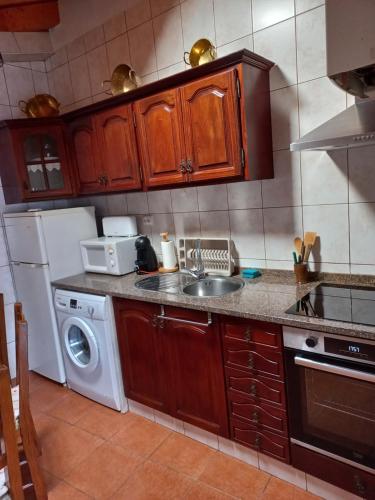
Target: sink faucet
<point x="198" y="272"/>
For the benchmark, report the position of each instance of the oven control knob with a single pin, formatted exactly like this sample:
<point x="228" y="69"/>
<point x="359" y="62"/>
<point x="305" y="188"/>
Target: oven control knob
<point x="311" y="341"/>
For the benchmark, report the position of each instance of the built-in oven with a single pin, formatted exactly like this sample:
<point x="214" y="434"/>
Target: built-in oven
<point x="331" y="395"/>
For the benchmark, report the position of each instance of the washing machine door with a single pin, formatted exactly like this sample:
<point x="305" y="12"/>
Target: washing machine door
<point x="80" y="344"/>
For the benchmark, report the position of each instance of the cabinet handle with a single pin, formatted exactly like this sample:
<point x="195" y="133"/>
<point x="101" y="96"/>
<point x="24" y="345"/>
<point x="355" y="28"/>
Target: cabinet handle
<point x="183" y="167"/>
<point x="251" y="360"/>
<point x="253" y="389"/>
<point x="359" y="485"/>
<point x="162" y="317"/>
<point x="255" y="417"/>
<point x="189" y="166"/>
<point x="257" y="442"/>
<point x="155" y="321"/>
<point x="247" y="334"/>
<point x="100" y="179"/>
<point x="105" y="180"/>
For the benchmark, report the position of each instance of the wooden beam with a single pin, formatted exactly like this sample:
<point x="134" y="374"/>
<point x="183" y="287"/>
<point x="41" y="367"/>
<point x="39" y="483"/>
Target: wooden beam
<point x="28" y="15"/>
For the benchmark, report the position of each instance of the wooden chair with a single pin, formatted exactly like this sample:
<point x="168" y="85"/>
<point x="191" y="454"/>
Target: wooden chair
<point x="28" y="439"/>
<point x="19" y="438"/>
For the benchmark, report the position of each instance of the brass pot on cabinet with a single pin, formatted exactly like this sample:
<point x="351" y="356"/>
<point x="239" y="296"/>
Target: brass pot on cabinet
<point x="122" y="80"/>
<point x="203" y="51"/>
<point x="40" y="106"/>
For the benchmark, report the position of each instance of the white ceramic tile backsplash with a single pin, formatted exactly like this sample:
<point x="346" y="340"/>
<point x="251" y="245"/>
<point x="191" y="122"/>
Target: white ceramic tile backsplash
<point x="310" y="191"/>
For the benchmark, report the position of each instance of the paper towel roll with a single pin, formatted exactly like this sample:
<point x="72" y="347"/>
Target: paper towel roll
<point x="168" y="252"/>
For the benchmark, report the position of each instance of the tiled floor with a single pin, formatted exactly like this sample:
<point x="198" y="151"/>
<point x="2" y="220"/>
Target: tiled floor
<point x="90" y="451"/>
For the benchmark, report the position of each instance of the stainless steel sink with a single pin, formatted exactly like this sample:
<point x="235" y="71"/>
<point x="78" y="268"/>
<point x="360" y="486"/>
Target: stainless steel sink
<point x="214" y="286"/>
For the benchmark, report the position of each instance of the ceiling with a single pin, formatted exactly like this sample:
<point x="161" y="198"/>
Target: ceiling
<point x="28" y="15"/>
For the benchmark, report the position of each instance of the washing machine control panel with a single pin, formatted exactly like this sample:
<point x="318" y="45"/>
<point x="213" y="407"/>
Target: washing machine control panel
<point x="94" y="309"/>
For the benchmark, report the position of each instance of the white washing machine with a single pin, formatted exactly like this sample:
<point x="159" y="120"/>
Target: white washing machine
<point x="89" y="344"/>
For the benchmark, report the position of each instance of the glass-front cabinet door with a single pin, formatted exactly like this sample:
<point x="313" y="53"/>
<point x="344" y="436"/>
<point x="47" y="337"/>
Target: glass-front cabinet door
<point x="43" y="161"/>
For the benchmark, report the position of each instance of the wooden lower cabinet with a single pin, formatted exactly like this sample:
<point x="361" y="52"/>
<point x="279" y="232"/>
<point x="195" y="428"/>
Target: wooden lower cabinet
<point x="173" y="365"/>
<point x="141" y="353"/>
<point x="262" y="440"/>
<point x="344" y="476"/>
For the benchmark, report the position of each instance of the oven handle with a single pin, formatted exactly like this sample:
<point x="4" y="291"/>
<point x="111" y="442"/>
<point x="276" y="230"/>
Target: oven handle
<point x="337" y="370"/>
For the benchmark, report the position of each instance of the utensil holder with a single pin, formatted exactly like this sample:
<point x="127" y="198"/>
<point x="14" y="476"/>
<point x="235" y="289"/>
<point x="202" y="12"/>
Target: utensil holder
<point x="301" y="273"/>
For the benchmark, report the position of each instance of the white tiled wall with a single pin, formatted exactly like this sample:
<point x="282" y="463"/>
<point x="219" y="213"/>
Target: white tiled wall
<point x="329" y="193"/>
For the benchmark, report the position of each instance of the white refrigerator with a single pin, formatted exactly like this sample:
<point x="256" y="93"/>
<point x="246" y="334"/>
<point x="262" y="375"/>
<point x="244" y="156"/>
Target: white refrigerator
<point x="44" y="246"/>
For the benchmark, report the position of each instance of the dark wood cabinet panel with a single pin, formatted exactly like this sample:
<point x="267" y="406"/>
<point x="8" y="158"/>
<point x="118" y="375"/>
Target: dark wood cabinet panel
<point x="196" y="370"/>
<point x="257" y="332"/>
<point x="263" y="416"/>
<point x="259" y="388"/>
<point x="264" y="441"/>
<point x="117" y="148"/>
<point x="141" y="353"/>
<point x="160" y="139"/>
<point x="34" y="160"/>
<point x="212" y="127"/>
<point x="344" y="476"/>
<point x="85" y="155"/>
<point x="256" y="358"/>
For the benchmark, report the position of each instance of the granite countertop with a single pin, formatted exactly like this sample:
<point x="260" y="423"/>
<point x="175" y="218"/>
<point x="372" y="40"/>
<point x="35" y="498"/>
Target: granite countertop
<point x="265" y="298"/>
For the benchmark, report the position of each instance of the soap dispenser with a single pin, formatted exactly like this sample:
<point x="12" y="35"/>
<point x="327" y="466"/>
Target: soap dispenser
<point x="168" y="255"/>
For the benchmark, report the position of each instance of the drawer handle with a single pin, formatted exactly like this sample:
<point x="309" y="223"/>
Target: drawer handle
<point x="253" y="389"/>
<point x="247" y="334"/>
<point x="250" y="363"/>
<point x="255" y="417"/>
<point x="183" y="167"/>
<point x="257" y="442"/>
<point x="359" y="485"/>
<point x="155" y="321"/>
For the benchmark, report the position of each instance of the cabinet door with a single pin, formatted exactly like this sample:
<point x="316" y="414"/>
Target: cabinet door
<point x="212" y="130"/>
<point x="196" y="370"/>
<point x="160" y="138"/>
<point x="140" y="352"/>
<point x="43" y="161"/>
<point x="118" y="149"/>
<point x="84" y="152"/>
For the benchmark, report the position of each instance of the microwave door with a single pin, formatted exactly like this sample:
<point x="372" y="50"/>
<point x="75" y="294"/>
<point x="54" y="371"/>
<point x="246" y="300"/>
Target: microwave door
<point x="94" y="257"/>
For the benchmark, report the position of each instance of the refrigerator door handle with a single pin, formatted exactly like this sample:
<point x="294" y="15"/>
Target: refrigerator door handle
<point x="27" y="264"/>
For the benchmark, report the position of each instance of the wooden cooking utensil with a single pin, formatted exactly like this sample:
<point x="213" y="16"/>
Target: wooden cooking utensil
<point x="309" y="238"/>
<point x="307" y="252"/>
<point x="298" y="245"/>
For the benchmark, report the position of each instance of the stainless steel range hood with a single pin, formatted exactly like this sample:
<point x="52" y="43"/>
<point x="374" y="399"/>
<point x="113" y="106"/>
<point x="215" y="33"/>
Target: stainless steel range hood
<point x="353" y="127"/>
<point x="351" y="65"/>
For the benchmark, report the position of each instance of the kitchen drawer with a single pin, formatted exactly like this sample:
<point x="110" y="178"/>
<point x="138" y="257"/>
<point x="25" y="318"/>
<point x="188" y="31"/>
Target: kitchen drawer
<point x="263" y="441"/>
<point x="256" y="358"/>
<point x="344" y="476"/>
<point x="263" y="417"/>
<point x="259" y="388"/>
<point x="257" y="332"/>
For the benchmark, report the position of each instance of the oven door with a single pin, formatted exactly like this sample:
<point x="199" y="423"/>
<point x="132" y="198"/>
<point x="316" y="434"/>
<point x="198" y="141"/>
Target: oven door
<point x="332" y="407"/>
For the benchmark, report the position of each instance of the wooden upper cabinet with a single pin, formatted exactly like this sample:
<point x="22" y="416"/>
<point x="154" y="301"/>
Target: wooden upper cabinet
<point x="117" y="148"/>
<point x="84" y="155"/>
<point x="212" y="127"/>
<point x="160" y="138"/>
<point x="34" y="161"/>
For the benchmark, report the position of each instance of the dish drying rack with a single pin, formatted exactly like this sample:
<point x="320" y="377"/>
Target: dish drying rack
<point x="216" y="255"/>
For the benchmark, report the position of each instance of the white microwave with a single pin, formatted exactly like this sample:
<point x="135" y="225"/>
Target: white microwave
<point x="109" y="255"/>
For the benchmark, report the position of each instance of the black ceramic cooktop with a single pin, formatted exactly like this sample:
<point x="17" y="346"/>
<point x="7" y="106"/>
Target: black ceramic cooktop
<point x="351" y="304"/>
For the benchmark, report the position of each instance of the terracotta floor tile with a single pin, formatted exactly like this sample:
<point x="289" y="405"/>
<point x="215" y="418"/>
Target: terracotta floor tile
<point x="63" y="445"/>
<point x="234" y="477"/>
<point x="183" y="454"/>
<point x="276" y="488"/>
<point x="139" y="435"/>
<point x="63" y="491"/>
<point x="104" y="471"/>
<point x="101" y="421"/>
<point x="70" y="408"/>
<point x="46" y="395"/>
<point x="200" y="491"/>
<point x="153" y="481"/>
